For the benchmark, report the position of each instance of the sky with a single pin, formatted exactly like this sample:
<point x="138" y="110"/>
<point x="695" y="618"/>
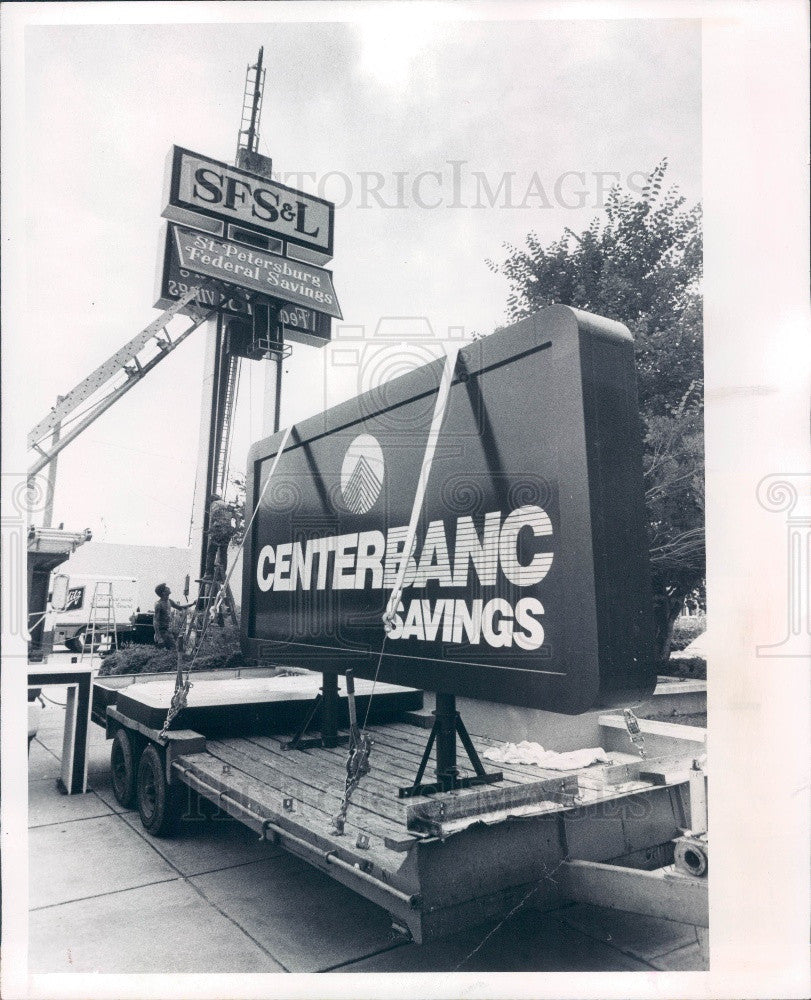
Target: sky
<point x="439" y="141"/>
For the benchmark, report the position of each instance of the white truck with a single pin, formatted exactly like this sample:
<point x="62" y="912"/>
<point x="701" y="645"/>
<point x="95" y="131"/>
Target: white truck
<point x="71" y="609"/>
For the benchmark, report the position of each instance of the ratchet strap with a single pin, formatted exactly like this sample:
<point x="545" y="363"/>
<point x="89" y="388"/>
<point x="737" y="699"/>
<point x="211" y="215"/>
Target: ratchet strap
<point x="440" y="408"/>
<point x="360" y="746"/>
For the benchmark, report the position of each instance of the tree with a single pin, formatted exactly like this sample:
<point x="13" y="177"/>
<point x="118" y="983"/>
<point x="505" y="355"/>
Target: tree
<point x="642" y="265"/>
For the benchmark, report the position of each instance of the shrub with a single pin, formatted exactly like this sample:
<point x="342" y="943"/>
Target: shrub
<point x="687" y="629"/>
<point x="694" y="667"/>
<point x="220" y="650"/>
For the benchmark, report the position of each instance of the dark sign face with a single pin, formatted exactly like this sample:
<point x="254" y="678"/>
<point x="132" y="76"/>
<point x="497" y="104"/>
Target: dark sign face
<point x="199" y="186"/>
<point x="75" y="599"/>
<point x="528" y="582"/>
<point x="256" y="270"/>
<point x="300" y="323"/>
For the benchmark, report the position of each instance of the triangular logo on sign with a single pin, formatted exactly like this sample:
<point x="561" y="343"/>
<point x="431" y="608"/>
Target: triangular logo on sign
<point x="362" y="474"/>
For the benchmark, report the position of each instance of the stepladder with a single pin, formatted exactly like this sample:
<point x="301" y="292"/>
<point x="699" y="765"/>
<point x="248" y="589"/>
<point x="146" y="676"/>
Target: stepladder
<point x="101" y="620"/>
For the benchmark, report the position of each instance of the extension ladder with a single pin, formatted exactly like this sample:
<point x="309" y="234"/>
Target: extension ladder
<point x="248" y="137"/>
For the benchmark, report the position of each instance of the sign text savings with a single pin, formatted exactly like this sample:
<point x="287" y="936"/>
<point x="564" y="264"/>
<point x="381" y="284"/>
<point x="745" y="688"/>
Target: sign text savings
<point x="368" y="559"/>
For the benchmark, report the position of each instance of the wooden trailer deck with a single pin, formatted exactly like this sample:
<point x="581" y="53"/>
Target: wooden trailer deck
<point x="436" y="863"/>
<point x="439" y="862"/>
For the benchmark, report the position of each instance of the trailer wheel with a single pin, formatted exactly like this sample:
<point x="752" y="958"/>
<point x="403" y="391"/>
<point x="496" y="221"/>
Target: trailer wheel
<point x="158" y="804"/>
<point x="122" y="768"/>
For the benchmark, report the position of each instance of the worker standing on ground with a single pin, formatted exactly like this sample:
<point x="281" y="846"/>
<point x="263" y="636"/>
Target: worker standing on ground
<point x="165" y="638"/>
<point x="221" y="528"/>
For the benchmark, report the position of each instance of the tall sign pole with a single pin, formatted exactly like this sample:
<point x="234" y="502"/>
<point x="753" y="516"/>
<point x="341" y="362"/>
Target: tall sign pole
<point x="217" y="373"/>
<point x="265" y="245"/>
<point x="272" y="411"/>
<point x="277" y="407"/>
<point x="206" y="445"/>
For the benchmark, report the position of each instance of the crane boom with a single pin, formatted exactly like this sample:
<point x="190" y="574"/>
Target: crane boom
<point x="125" y="361"/>
<point x="99" y="390"/>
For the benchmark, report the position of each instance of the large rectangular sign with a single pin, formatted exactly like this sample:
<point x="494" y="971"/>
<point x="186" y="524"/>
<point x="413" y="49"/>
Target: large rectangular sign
<point x="529" y="580"/>
<point x="257" y="270"/>
<point x="201" y="187"/>
<point x="300" y="323"/>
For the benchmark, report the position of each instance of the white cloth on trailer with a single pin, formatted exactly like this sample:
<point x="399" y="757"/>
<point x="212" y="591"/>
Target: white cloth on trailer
<point x="533" y="753"/>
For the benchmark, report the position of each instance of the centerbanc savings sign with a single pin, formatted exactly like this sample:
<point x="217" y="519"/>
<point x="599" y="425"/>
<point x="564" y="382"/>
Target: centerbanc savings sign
<point x="528" y="582"/>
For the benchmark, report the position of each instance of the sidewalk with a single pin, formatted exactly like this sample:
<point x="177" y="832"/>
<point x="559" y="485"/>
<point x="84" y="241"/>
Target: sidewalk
<point x="107" y="897"/>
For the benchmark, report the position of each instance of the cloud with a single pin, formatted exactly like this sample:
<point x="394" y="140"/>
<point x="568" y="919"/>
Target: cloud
<point x="391" y="38"/>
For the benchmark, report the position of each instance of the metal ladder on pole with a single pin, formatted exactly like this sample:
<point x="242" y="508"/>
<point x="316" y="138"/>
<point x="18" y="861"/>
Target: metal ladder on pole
<point x="248" y="137"/>
<point x="224" y="455"/>
<point x="101" y="619"/>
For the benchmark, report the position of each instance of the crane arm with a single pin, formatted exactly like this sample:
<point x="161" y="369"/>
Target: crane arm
<point x="125" y="361"/>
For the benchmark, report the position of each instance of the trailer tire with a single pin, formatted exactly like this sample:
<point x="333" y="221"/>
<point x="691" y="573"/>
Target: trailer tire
<point x="123" y="769"/>
<point x="158" y="802"/>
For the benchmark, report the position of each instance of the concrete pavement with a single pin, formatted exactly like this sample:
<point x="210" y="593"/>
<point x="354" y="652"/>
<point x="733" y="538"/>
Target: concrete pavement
<point x="107" y="897"/>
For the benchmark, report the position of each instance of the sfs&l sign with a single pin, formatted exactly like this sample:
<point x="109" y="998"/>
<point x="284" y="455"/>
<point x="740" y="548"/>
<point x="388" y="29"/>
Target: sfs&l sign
<point x="200" y="186"/>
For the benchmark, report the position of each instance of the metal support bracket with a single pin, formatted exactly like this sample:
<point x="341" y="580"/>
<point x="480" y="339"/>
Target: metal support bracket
<point x="325" y="703"/>
<point x="447" y="726"/>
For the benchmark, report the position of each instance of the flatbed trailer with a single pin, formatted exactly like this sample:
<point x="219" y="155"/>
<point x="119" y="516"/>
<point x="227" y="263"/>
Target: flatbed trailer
<point x="529" y="585"/>
<point x="436" y="863"/>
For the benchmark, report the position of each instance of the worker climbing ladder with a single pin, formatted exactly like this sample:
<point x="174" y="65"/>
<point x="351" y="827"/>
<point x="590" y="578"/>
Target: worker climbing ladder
<point x="101" y="619"/>
<point x="213" y="590"/>
<point x="213" y="593"/>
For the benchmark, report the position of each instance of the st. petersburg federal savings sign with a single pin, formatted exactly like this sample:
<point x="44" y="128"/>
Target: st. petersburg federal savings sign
<point x="256" y="270"/>
<point x="302" y="324"/>
<point x="529" y="580"/>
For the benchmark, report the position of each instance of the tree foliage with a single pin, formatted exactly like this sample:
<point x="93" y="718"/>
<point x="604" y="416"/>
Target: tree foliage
<point x="642" y="264"/>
